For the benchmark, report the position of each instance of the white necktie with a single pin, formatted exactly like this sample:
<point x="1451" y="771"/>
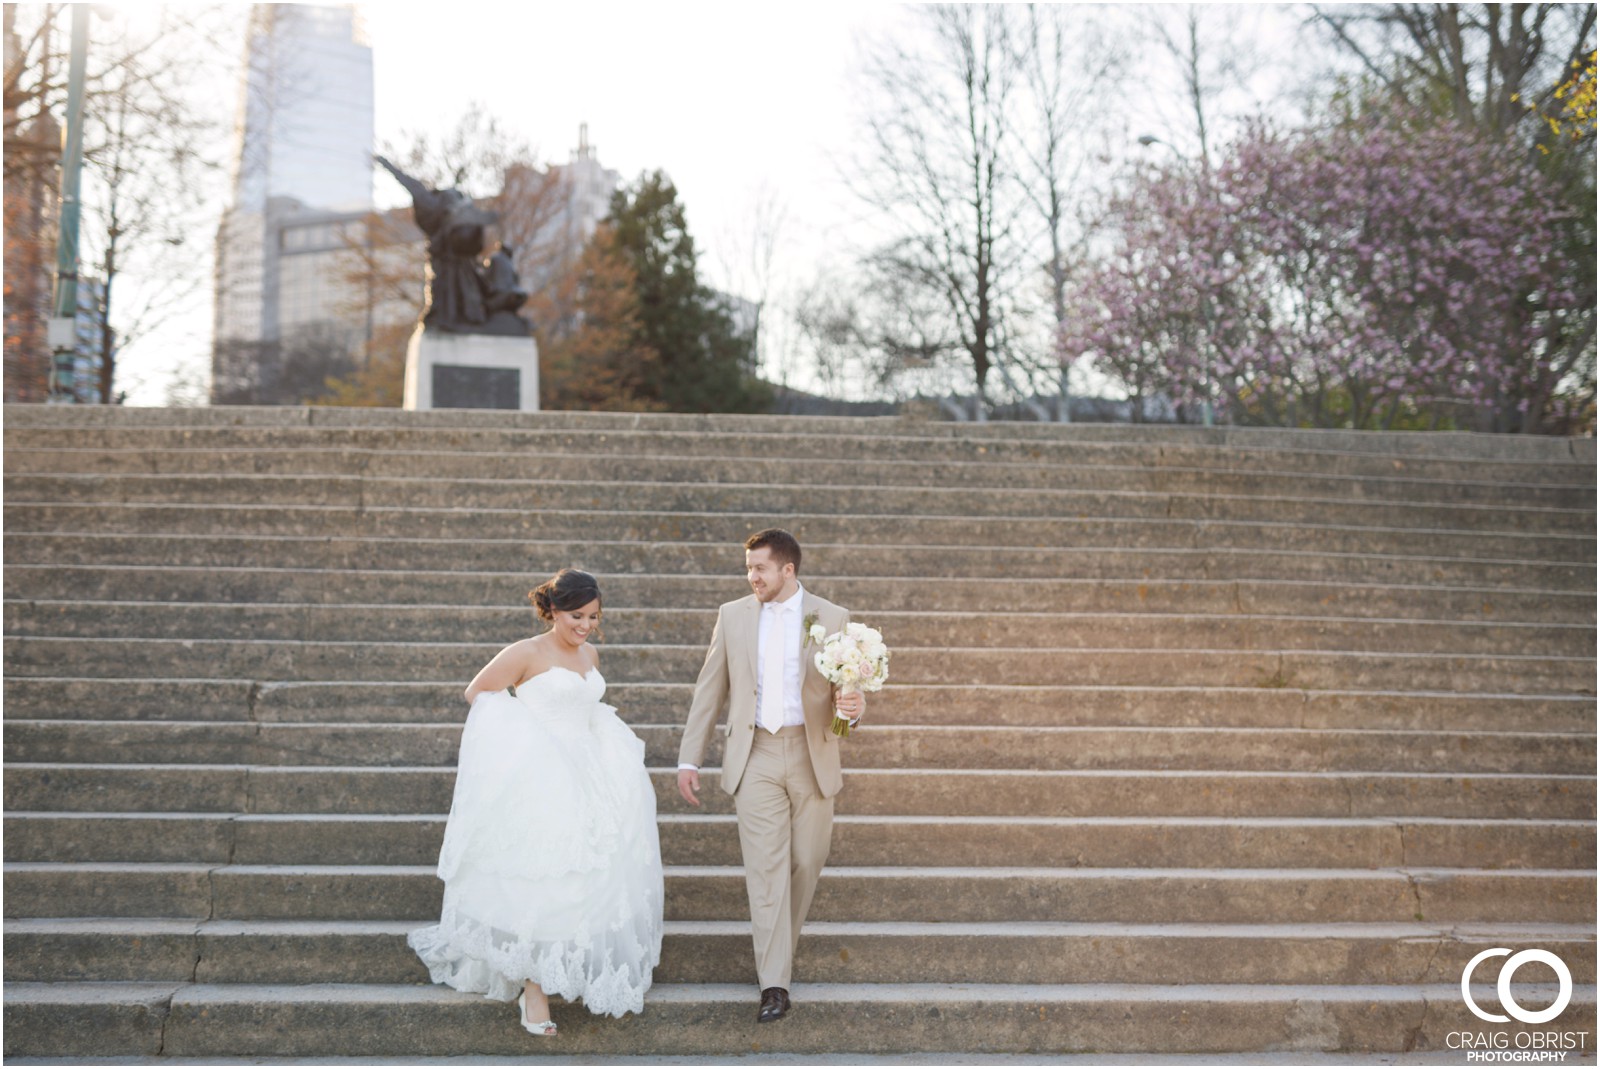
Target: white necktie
<point x="771" y="712"/>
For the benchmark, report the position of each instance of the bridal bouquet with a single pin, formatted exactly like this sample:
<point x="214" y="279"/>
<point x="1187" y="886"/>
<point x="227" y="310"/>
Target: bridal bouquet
<point x="854" y="659"/>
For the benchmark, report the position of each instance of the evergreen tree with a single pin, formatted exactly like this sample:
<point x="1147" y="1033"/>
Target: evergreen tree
<point x="702" y="363"/>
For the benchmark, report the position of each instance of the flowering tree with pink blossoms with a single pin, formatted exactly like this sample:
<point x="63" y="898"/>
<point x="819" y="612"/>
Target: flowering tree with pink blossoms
<point x="1364" y="275"/>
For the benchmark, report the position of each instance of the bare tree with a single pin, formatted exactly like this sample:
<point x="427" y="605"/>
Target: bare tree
<point x="747" y="255"/>
<point x="149" y="148"/>
<point x="939" y="174"/>
<point x="34" y="79"/>
<point x="1071" y="63"/>
<point x="978" y="156"/>
<point x="1490" y="65"/>
<point x="471" y="156"/>
<point x="148" y="167"/>
<point x="828" y="323"/>
<point x="878" y="332"/>
<point x="1214" y="56"/>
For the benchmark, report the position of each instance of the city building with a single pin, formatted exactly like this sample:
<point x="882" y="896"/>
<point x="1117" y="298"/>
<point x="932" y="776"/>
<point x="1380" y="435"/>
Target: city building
<point x="586" y="187"/>
<point x="29" y="229"/>
<point x="303" y="294"/>
<point x="565" y="201"/>
<point x="310" y="281"/>
<point x="305" y="119"/>
<point x="292" y="302"/>
<point x="33" y="145"/>
<point x="89" y="381"/>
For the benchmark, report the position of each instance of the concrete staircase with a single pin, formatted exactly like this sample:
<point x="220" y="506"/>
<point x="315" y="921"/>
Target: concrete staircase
<point x="1199" y="740"/>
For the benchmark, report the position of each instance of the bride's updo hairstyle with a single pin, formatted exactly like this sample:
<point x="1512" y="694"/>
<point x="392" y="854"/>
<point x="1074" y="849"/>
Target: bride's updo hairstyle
<point x="567" y="590"/>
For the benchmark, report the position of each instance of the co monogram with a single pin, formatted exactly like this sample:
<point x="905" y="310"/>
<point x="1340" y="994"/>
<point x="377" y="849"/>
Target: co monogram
<point x="1503" y="987"/>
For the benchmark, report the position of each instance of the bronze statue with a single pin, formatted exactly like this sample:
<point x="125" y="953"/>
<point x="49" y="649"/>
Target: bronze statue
<point x="503" y="293"/>
<point x="463" y="295"/>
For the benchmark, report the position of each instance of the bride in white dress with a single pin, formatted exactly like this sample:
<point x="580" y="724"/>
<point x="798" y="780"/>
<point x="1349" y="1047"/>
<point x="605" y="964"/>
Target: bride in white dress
<point x="551" y="861"/>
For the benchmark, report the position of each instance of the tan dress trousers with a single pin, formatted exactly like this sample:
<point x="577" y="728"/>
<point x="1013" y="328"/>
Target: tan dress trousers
<point x="785" y="825"/>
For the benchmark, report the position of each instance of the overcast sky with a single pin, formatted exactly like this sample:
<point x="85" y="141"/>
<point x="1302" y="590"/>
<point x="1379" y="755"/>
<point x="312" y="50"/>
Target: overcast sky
<point x="735" y="101"/>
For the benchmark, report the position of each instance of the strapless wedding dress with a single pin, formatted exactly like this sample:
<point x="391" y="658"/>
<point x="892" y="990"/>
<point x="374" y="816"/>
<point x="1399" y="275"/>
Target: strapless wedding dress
<point x="551" y="861"/>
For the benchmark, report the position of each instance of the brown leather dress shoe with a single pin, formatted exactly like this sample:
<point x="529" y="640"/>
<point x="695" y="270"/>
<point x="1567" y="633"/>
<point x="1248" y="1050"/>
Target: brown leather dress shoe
<point x="774" y="1004"/>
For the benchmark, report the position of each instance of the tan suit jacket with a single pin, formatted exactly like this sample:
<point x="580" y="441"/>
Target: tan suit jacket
<point x="729" y="677"/>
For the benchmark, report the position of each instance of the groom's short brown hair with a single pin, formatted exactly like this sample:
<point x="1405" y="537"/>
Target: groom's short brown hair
<point x="780" y="543"/>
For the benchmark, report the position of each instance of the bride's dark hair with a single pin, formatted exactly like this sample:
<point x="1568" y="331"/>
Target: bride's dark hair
<point x="565" y="591"/>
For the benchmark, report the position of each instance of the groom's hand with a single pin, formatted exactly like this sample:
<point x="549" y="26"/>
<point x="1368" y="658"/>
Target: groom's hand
<point x="688" y="783"/>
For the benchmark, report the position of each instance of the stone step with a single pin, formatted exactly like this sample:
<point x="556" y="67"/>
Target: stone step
<point x="236" y="700"/>
<point x="1489" y="456"/>
<point x="694" y="839"/>
<point x="622" y="495"/>
<point x="1103" y="475"/>
<point x="536" y="559"/>
<point x="1368" y="774"/>
<point x="53" y="950"/>
<point x="902" y="630"/>
<point x="729" y="529"/>
<point x="912" y="593"/>
<point x="1175" y="895"/>
<point x="266" y="789"/>
<point x="871" y="746"/>
<point x="413" y="662"/>
<point x="180" y="1020"/>
<point x="717" y="448"/>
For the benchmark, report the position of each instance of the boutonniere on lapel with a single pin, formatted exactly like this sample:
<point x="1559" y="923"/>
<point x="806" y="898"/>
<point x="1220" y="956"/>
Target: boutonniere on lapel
<point x="815" y="632"/>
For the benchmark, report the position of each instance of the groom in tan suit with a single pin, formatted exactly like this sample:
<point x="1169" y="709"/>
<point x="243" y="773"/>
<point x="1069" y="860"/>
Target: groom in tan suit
<point x="780" y="762"/>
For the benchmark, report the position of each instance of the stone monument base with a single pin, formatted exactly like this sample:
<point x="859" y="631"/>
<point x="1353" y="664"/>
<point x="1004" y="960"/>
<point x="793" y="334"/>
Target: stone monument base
<point x="445" y="370"/>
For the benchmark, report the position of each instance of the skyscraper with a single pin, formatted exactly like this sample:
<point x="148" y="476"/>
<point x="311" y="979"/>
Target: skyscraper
<point x="587" y="186"/>
<point x="287" y="293"/>
<point x="305" y="124"/>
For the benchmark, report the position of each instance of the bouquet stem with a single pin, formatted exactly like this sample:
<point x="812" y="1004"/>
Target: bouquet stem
<point x="841" y="724"/>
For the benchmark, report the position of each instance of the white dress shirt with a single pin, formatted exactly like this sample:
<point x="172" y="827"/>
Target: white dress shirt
<point x="789" y="610"/>
<point x="767" y="631"/>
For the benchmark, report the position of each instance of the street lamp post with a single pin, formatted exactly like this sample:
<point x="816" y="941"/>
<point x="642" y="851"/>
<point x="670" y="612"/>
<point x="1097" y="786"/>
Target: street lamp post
<point x="63" y="330"/>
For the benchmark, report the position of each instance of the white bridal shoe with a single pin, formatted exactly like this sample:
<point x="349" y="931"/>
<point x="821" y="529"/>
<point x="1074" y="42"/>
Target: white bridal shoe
<point x="544" y="1028"/>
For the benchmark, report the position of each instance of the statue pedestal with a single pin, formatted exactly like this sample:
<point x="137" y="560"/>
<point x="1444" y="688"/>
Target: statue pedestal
<point x="445" y="370"/>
